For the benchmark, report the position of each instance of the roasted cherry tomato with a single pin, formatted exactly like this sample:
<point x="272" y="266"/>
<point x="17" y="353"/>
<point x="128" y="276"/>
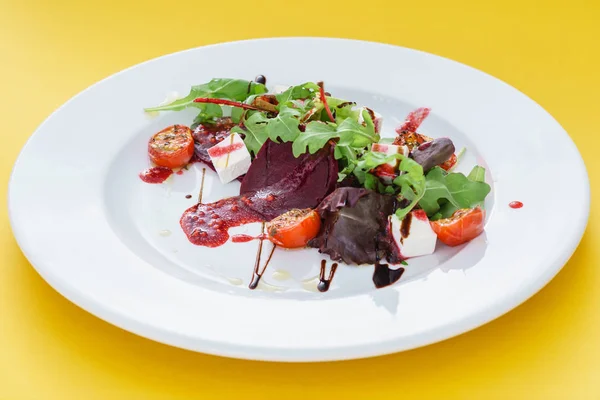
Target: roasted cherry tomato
<point x="450" y="163"/>
<point x="464" y="225"/>
<point x="173" y="147"/>
<point x="411" y="139"/>
<point x="294" y="228"/>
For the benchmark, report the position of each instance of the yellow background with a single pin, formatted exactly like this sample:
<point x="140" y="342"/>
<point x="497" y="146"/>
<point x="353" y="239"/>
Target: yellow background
<point x="547" y="348"/>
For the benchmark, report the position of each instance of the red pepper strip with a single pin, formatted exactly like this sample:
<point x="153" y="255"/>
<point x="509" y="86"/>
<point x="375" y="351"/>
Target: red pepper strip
<point x="322" y="93"/>
<point x="228" y="103"/>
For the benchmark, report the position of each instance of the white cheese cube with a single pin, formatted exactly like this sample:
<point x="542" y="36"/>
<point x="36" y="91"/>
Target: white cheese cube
<point x="413" y="235"/>
<point x="230" y="158"/>
<point x="390" y="149"/>
<point x="387" y="172"/>
<point x="376" y="117"/>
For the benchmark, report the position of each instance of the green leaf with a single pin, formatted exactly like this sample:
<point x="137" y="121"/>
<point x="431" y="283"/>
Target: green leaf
<point x="457" y="190"/>
<point x="315" y="136"/>
<point x="477" y="174"/>
<point x="351" y="132"/>
<point x="284" y="126"/>
<point x="411" y="181"/>
<point x="236" y="114"/>
<point x="230" y="89"/>
<point x="255" y="131"/>
<point x="350" y="159"/>
<point x="345" y="152"/>
<point x="302" y="106"/>
<point x="435" y="217"/>
<point x="370" y="125"/>
<point x="342" y="109"/>
<point x="388" y="190"/>
<point x="371" y="182"/>
<point x="371" y="160"/>
<point x="207" y="114"/>
<point x="303" y="91"/>
<point x="412" y="184"/>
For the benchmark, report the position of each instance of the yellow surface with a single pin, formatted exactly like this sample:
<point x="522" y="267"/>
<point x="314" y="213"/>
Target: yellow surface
<point x="547" y="348"/>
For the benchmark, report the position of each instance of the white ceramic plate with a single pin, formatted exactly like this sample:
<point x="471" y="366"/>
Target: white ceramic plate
<point x="112" y="244"/>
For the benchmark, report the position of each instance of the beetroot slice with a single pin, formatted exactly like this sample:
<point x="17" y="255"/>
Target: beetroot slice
<point x="275" y="162"/>
<point x="294" y="182"/>
<point x="275" y="183"/>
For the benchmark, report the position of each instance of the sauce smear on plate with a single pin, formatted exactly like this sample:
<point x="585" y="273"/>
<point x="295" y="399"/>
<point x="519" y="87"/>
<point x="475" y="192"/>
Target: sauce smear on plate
<point x="384" y="276"/>
<point x="515" y="204"/>
<point x="242" y="238"/>
<point x="207" y="224"/>
<point x="156" y="174"/>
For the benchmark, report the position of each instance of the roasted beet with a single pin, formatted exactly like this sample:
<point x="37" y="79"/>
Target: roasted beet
<point x="355" y="227"/>
<point x="275" y="163"/>
<point x="433" y="153"/>
<point x="301" y="182"/>
<point x="269" y="190"/>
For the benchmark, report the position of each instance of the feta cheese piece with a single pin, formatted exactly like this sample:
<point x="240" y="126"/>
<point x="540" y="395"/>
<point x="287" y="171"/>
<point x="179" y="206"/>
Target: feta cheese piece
<point x="230" y="157"/>
<point x="413" y="235"/>
<point x="390" y="149"/>
<point x="387" y="172"/>
<point x="376" y="117"/>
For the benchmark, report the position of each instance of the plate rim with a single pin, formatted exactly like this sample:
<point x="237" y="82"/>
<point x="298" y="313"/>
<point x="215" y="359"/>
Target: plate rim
<point x="457" y="327"/>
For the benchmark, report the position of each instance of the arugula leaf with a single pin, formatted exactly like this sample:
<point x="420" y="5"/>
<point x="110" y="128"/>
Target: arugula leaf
<point x="371" y="160"/>
<point x="477" y="174"/>
<point x="353" y="138"/>
<point x="371" y="182"/>
<point x="454" y="190"/>
<point x="314" y="137"/>
<point x="284" y="125"/>
<point x="255" y="131"/>
<point x="236" y="114"/>
<point x="351" y="132"/>
<point x="230" y="89"/>
<point x="342" y="109"/>
<point x="412" y="184"/>
<point x="207" y="114"/>
<point x="303" y="91"/>
<point x="346" y="152"/>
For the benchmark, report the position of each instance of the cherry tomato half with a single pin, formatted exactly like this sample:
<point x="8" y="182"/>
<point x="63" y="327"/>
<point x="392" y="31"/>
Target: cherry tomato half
<point x="173" y="147"/>
<point x="463" y="226"/>
<point x="450" y="163"/>
<point x="294" y="228"/>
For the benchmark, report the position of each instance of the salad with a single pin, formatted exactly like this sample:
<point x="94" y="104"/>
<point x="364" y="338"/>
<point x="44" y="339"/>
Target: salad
<point x="316" y="173"/>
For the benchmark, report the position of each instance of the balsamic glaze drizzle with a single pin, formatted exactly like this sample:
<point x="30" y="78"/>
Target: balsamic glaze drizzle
<point x="384" y="276"/>
<point x="257" y="273"/>
<point x="201" y="186"/>
<point x="324" y="284"/>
